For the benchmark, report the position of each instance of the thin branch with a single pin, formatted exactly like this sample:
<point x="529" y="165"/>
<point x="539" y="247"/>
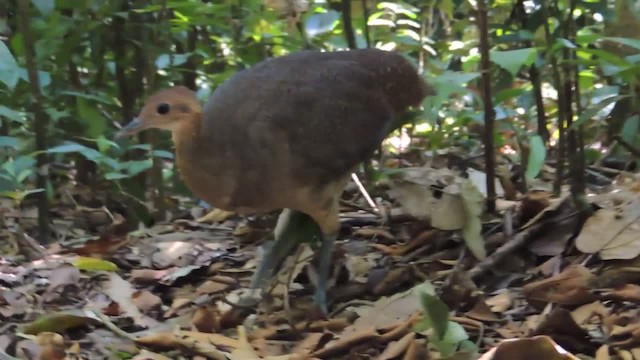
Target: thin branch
<point x="41" y="121"/>
<point x="347" y="24"/>
<point x="489" y="113"/>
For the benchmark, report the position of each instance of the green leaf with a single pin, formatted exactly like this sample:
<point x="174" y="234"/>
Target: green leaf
<point x="44" y="6"/>
<point x="595" y="109"/>
<point x="103" y="98"/>
<point x="436" y="313"/>
<point x="513" y="60"/>
<point x="12" y="114"/>
<point x="9" y="74"/>
<point x="163" y="154"/>
<point x="449" y="343"/>
<point x="631" y="129"/>
<point x="321" y="23"/>
<point x="135" y="167"/>
<point x="473" y="204"/>
<point x="537" y="155"/>
<point x="634" y="43"/>
<point x="19" y="195"/>
<point x="115" y="176"/>
<point x="105" y="144"/>
<point x="70" y="147"/>
<point x="95" y="123"/>
<point x="93" y="264"/>
<point x="10" y="142"/>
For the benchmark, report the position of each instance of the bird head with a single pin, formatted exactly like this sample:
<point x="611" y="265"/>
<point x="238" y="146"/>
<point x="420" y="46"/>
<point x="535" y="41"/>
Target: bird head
<point x="169" y="109"/>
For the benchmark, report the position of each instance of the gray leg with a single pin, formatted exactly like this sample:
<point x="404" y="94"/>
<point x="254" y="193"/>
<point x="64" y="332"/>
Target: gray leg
<point x="293" y="228"/>
<point x="324" y="267"/>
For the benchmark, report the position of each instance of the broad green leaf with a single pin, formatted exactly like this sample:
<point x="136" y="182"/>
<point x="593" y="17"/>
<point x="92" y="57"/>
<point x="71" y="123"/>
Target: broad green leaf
<point x="9" y="141"/>
<point x="602" y="55"/>
<point x="473" y="203"/>
<point x="436" y="313"/>
<point x="514" y="60"/>
<point x="595" y="109"/>
<point x="103" y="98"/>
<point x="449" y="343"/>
<point x="93" y="264"/>
<point x="537" y="156"/>
<point x="507" y="94"/>
<point x="44" y="6"/>
<point x="115" y="176"/>
<point x="8" y="67"/>
<point x="95" y="124"/>
<point x="135" y="167"/>
<point x="321" y="23"/>
<point x="69" y="147"/>
<point x="163" y="154"/>
<point x="105" y="144"/>
<point x="7" y="61"/>
<point x="12" y="114"/>
<point x="141" y="147"/>
<point x="426" y="287"/>
<point x="60" y="322"/>
<point x="631" y="129"/>
<point x="19" y="195"/>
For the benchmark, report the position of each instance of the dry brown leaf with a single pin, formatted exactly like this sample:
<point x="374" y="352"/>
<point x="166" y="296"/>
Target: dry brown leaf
<point x="501" y="302"/>
<point x="397" y="348"/>
<point x="603" y="353"/>
<point x="571" y="286"/>
<point x="121" y="292"/>
<point x="612" y="232"/>
<point x="146" y="301"/>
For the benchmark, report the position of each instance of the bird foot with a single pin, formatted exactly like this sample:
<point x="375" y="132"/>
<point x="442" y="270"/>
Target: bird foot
<point x="320" y="301"/>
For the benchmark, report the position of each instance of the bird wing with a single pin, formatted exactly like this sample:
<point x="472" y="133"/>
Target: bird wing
<point x="326" y="109"/>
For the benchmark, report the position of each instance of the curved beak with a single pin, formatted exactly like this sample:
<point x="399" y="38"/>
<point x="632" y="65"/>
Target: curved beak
<point x="136" y="125"/>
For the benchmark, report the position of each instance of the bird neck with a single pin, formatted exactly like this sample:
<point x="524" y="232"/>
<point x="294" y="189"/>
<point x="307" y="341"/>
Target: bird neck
<point x="189" y="132"/>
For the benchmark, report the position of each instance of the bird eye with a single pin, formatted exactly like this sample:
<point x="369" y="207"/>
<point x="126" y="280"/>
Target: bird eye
<point x="163" y="109"/>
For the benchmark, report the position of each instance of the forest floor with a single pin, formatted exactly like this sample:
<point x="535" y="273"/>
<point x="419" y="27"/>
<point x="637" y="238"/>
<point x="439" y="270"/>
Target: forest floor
<point x="404" y="284"/>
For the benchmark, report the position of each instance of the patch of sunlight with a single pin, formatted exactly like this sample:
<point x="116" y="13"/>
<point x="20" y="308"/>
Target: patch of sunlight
<point x="598" y="85"/>
<point x="596" y="146"/>
<point x="456" y="45"/>
<point x="449" y="120"/>
<point x="508" y="150"/>
<point x="390" y="46"/>
<point x="400" y="141"/>
<point x="226" y="49"/>
<point x="520" y="111"/>
<point x="162" y="72"/>
<point x="422" y="128"/>
<point x="554" y="137"/>
<point x="598" y="17"/>
<point x="548" y="91"/>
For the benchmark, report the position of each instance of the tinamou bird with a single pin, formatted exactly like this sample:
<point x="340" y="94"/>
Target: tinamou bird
<point x="286" y="134"/>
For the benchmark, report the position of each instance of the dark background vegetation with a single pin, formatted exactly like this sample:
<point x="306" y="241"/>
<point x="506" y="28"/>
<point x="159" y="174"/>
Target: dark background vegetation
<point x="558" y="77"/>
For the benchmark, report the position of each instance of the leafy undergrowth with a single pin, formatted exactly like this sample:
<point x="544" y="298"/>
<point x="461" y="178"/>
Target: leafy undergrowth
<point x="425" y="275"/>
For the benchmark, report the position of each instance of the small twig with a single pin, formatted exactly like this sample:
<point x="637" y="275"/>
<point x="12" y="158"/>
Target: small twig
<point x="111" y="326"/>
<point x="516" y="242"/>
<point x="364" y="192"/>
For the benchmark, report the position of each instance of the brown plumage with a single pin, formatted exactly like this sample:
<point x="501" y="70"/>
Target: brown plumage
<point x="287" y="132"/>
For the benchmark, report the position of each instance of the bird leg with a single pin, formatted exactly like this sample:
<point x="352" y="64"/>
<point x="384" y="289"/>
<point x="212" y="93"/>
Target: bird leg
<point x="324" y="270"/>
<point x="292" y="229"/>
